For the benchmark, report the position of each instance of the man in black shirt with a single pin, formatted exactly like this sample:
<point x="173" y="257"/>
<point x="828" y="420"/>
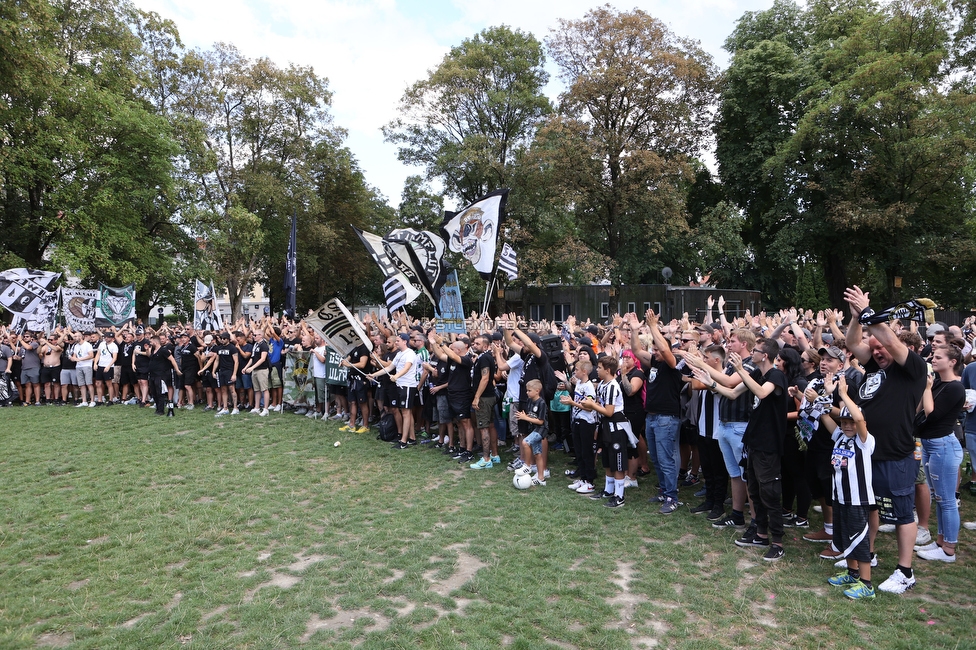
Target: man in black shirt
<point x="225" y="374"/>
<point x="459" y="393"/>
<point x="763" y="444"/>
<point x="893" y="385"/>
<point x="140" y="365"/>
<point x="186" y="358"/>
<point x="483" y="402"/>
<point x="357" y="395"/>
<point x="161" y="366"/>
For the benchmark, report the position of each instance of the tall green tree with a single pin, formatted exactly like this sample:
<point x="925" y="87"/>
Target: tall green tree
<point x="637" y="106"/>
<point x="465" y="122"/>
<point x="846" y="136"/>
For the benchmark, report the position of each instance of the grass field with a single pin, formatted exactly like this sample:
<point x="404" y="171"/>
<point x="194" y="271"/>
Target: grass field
<point x="119" y="529"/>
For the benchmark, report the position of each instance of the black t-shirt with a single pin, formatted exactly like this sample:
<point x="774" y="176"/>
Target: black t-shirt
<point x="888" y="399"/>
<point x="186" y="359"/>
<point x="125" y="353"/>
<point x="485" y="361"/>
<point x="948" y="398"/>
<point x="767" y="424"/>
<point x="459" y="379"/>
<point x="634" y="404"/>
<point x="159" y="363"/>
<point x="531" y="369"/>
<point x="256" y="351"/>
<point x="225" y="357"/>
<point x="244" y="354"/>
<point x="443" y="371"/>
<point x="357" y="355"/>
<point x="663" y="389"/>
<point x="142" y="361"/>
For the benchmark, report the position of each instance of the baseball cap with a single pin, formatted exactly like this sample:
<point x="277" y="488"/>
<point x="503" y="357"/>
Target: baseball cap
<point x="225" y="336"/>
<point x="933" y="329"/>
<point x="833" y="351"/>
<point x="207" y="340"/>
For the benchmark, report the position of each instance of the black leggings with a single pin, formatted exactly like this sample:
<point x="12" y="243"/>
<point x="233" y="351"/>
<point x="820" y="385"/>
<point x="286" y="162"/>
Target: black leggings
<point x="583" y="436"/>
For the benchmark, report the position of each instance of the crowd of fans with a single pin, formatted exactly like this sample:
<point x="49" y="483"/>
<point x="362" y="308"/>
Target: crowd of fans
<point x="768" y="416"/>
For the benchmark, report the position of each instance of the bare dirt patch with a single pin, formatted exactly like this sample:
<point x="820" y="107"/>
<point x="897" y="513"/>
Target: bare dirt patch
<point x="303" y="562"/>
<point x="55" y="640"/>
<point x="467" y="565"/>
<point x="344" y="620"/>
<point x="77" y="584"/>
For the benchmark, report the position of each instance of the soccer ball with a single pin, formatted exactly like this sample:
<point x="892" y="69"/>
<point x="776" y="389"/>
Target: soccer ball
<point x="522" y="481"/>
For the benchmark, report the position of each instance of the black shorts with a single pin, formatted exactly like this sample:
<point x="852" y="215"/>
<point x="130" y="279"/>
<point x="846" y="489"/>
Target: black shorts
<point x="128" y="377"/>
<point x="407" y="398"/>
<point x="104" y="374"/>
<point x="357" y="390"/>
<point x="460" y="406"/>
<point x="851" y="532"/>
<point x="338" y="390"/>
<point x="207" y="379"/>
<point x="614" y="452"/>
<point x="142" y="376"/>
<point x="50" y="375"/>
<point x="894" y="488"/>
<point x="176" y="381"/>
<point x="687" y="434"/>
<point x="223" y="378"/>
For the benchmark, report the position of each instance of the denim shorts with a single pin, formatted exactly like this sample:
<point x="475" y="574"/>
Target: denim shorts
<point x="534" y="441"/>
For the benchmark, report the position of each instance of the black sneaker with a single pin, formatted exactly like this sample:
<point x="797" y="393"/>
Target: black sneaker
<point x="401" y="445"/>
<point x="449" y="451"/>
<point x="730" y="522"/>
<point x="412" y="442"/>
<point x="751" y="540"/>
<point x="600" y="496"/>
<point x="701" y="508"/>
<point x="614" y="502"/>
<point x="458" y="453"/>
<point x="716" y="514"/>
<point x="466" y="458"/>
<point x="774" y="553"/>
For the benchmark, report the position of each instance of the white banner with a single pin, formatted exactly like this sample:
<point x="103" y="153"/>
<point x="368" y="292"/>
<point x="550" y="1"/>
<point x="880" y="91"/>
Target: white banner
<point x="79" y="307"/>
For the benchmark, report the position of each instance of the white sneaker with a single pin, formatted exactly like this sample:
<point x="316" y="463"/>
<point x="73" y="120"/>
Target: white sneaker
<point x="339" y="416"/>
<point x="301" y="411"/>
<point x="926" y="547"/>
<point x="277" y="409"/>
<point x="523" y="470"/>
<point x="937" y="555"/>
<point x="131" y="401"/>
<point x="312" y="414"/>
<point x="629" y="482"/>
<point x="255" y="411"/>
<point x="235" y="412"/>
<point x="886" y="528"/>
<point x="922" y="537"/>
<point x="586" y="488"/>
<point x="897" y="583"/>
<point x="221" y="412"/>
<point x="842" y="563"/>
<point x="263" y="413"/>
<point x="575" y="485"/>
<point x="189" y="407"/>
<point x="969" y="525"/>
<point x="83" y="404"/>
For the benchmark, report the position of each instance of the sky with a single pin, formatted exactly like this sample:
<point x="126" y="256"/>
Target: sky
<point x="371" y="51"/>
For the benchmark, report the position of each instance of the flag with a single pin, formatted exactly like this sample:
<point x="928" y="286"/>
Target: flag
<point x="473" y="231"/>
<point x="206" y="315"/>
<point x="429" y="249"/>
<point x="78" y="307"/>
<point x="337" y="326"/>
<point x="395" y="295"/>
<point x="27" y="294"/>
<point x="291" y="268"/>
<point x="391" y="272"/>
<point x="405" y="259"/>
<point x="508" y="263"/>
<point x="116" y="306"/>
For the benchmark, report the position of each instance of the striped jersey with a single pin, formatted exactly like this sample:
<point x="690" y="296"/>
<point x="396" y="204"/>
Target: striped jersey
<point x="851" y="460"/>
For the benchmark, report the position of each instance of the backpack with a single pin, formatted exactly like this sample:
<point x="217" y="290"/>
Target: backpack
<point x="387" y="428"/>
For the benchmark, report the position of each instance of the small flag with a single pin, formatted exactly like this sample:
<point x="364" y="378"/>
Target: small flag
<point x="508" y="263"/>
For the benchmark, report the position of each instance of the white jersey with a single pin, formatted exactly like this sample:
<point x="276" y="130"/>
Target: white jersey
<point x="583" y="390"/>
<point x="106" y="351"/>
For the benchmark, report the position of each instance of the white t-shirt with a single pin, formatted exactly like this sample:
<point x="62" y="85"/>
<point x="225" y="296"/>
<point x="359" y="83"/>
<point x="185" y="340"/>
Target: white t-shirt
<point x="515" y="365"/>
<point x="83" y="350"/>
<point x="411" y="378"/>
<point x="105" y="353"/>
<point x="318" y="367"/>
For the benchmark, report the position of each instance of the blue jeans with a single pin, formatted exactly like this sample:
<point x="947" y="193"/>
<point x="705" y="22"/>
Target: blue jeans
<point x="942" y="458"/>
<point x="730" y="442"/>
<point x="661" y="432"/>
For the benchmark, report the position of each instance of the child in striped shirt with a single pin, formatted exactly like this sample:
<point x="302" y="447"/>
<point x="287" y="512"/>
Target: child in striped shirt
<point x="852" y="492"/>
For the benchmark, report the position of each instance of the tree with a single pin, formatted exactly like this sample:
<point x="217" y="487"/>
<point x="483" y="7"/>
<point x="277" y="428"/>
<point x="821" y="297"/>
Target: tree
<point x="845" y="135"/>
<point x="87" y="169"/>
<point x="636" y="106"/>
<point x="465" y="123"/>
<point x="420" y="209"/>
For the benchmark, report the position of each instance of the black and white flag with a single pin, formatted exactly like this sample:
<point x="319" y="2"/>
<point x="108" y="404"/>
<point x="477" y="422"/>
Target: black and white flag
<point x="508" y="262"/>
<point x="337" y="326"/>
<point x="405" y="258"/>
<point x="473" y="231"/>
<point x="429" y="249"/>
<point x="375" y="246"/>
